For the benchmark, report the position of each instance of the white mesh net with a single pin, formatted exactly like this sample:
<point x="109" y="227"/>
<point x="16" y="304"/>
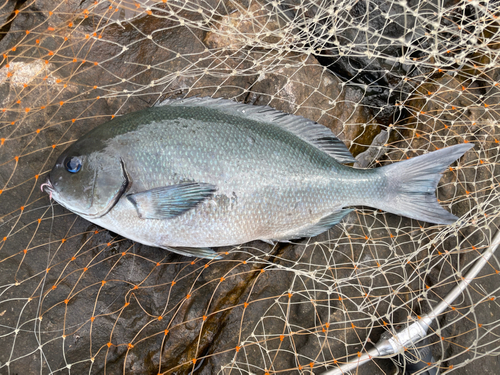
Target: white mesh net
<point x="391" y="79"/>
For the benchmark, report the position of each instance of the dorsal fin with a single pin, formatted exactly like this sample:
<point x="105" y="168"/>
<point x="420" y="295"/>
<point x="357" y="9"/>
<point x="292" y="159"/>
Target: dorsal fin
<point x="308" y="130"/>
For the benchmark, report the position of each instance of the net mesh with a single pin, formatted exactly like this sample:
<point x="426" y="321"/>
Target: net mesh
<point x="393" y="79"/>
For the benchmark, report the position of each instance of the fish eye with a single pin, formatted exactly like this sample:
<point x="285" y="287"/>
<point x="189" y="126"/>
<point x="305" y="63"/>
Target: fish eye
<point x="73" y="164"/>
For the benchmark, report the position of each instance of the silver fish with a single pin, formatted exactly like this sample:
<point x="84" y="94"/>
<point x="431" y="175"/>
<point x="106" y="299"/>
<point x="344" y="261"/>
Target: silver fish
<point x="197" y="173"/>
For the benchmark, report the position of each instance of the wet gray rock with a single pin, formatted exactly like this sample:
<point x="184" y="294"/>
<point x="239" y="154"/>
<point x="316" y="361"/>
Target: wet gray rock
<point x="7" y="13"/>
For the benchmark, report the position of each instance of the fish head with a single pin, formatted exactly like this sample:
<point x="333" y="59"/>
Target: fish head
<point x="87" y="179"/>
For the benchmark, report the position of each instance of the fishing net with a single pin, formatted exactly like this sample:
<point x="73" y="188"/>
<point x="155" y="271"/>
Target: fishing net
<point x="393" y="79"/>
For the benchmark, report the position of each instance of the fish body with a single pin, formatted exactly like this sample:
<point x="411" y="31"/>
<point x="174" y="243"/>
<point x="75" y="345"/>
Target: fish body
<point x="199" y="173"/>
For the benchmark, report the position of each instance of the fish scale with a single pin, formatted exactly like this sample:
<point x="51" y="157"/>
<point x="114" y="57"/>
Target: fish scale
<point x="198" y="173"/>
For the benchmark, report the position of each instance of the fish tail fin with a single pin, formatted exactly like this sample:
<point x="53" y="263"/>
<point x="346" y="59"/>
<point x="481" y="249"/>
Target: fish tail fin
<point x="412" y="185"/>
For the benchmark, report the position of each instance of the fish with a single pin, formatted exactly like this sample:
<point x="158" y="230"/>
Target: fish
<point x="192" y="174"/>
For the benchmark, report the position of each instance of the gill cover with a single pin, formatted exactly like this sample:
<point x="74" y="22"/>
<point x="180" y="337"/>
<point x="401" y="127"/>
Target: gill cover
<point x="109" y="186"/>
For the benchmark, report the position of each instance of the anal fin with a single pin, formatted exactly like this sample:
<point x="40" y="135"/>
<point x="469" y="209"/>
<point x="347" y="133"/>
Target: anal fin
<point x="321" y="226"/>
<point x="198" y="252"/>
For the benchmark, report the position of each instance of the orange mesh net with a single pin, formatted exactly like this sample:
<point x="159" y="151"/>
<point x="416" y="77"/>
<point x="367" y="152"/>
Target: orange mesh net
<point x="392" y="79"/>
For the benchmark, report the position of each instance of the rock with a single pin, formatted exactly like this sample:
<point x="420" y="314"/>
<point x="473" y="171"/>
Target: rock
<point x="282" y="327"/>
<point x="376" y="149"/>
<point x="248" y="25"/>
<point x="7" y="14"/>
<point x="307" y="89"/>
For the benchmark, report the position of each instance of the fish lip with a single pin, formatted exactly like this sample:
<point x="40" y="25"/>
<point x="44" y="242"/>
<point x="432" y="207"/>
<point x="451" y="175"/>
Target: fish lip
<point x="47" y="185"/>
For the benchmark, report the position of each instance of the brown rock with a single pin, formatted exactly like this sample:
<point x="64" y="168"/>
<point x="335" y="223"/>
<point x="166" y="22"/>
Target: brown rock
<point x="248" y="25"/>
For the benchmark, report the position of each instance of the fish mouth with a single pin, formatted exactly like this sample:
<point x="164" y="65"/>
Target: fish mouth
<point x="48" y="186"/>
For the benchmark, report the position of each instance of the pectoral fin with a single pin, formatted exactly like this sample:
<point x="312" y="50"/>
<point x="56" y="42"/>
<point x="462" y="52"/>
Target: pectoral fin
<point x="170" y="201"/>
